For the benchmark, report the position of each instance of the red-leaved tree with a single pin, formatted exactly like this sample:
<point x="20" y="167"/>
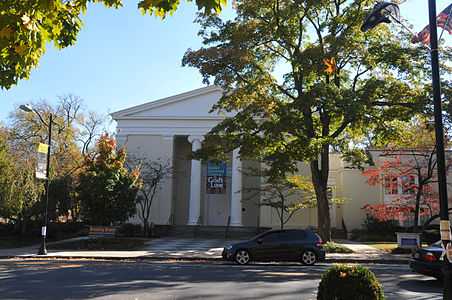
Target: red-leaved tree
<point x="408" y="177"/>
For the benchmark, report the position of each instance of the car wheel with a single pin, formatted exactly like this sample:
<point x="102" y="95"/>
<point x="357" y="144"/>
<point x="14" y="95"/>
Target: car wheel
<point x="308" y="258"/>
<point x="242" y="257"/>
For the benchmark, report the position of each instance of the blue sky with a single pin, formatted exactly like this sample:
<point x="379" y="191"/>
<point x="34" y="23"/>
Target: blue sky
<point x="123" y="58"/>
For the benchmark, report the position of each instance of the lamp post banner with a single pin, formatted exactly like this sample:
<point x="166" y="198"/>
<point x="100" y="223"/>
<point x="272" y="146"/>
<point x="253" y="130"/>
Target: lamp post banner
<point x="41" y="165"/>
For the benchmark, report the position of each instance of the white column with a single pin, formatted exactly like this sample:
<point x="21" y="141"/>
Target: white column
<point x="236" y="190"/>
<point x="195" y="183"/>
<point x="166" y="210"/>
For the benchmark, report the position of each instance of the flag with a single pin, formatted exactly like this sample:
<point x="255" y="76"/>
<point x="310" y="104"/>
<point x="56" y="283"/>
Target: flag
<point x="443" y="20"/>
<point x="41" y="166"/>
<point x="423" y="36"/>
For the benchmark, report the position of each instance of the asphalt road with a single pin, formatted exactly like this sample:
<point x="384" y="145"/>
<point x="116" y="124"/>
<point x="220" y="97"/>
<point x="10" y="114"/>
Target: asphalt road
<point x="85" y="279"/>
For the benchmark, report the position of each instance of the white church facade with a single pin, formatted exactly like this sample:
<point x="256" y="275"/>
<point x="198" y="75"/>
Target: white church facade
<point x="214" y="194"/>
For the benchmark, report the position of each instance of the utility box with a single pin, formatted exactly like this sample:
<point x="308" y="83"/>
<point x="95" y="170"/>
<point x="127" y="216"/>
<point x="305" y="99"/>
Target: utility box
<point x="408" y="240"/>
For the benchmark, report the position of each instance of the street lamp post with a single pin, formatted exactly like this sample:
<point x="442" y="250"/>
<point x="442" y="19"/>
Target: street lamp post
<point x="382" y="13"/>
<point x="43" y="248"/>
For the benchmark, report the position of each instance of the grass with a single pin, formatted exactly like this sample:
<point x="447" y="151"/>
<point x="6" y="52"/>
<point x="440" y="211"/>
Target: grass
<point x="392" y="248"/>
<point x="332" y="247"/>
<point x="385" y="246"/>
<point x="106" y="243"/>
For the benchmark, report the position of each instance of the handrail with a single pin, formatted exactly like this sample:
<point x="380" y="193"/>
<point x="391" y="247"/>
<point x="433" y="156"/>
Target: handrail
<point x="171" y="219"/>
<point x="228" y="224"/>
<point x="196" y="229"/>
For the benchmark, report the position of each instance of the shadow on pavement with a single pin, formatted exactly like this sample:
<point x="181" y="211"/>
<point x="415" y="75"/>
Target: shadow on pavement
<point x="83" y="279"/>
<point x="35" y="279"/>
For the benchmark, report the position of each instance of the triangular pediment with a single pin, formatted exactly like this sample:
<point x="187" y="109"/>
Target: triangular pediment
<point x="192" y="104"/>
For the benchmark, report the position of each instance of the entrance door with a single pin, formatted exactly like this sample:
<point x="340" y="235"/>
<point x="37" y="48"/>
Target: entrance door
<point x="217" y="209"/>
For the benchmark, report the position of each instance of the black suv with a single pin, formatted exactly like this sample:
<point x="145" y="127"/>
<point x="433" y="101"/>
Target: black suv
<point x="278" y="245"/>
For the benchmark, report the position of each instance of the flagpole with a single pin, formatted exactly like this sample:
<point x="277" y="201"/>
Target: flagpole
<point x="440" y="157"/>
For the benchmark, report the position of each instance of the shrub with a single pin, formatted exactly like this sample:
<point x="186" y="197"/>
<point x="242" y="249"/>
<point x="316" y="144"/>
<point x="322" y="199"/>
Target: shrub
<point x="331" y="247"/>
<point x="7" y="229"/>
<point x="373" y="225"/>
<point x="67" y="230"/>
<point x="343" y="282"/>
<point x="129" y="230"/>
<point x="365" y="236"/>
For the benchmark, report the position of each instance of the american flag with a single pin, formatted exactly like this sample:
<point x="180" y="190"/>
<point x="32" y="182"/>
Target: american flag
<point x="443" y="20"/>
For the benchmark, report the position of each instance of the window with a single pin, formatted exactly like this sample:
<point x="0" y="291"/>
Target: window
<point x="408" y="183"/>
<point x="390" y="184"/>
<point x="293" y="235"/>
<point x="403" y="185"/>
<point x="272" y="237"/>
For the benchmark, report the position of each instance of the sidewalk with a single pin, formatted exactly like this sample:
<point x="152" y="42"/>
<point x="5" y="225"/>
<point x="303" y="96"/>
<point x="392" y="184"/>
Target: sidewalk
<point x="363" y="253"/>
<point x="200" y="249"/>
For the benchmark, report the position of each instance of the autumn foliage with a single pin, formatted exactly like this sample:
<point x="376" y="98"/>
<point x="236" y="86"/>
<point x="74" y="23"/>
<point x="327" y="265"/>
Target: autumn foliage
<point x="407" y="177"/>
<point x="107" y="188"/>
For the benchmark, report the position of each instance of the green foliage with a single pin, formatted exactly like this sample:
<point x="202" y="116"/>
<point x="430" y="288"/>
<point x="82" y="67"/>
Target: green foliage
<point x="6" y="176"/>
<point x="373" y="225"/>
<point x="286" y="195"/>
<point x="362" y="235"/>
<point x="19" y="191"/>
<point x="27" y="26"/>
<point x="107" y="190"/>
<point x="270" y="62"/>
<point x="342" y="282"/>
<point x="331" y="247"/>
<point x="129" y="230"/>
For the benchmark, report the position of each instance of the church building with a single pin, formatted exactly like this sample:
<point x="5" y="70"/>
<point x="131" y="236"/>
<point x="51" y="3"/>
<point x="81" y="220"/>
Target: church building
<point x="214" y="194"/>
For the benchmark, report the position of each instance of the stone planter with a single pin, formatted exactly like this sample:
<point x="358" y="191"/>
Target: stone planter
<point x="408" y="240"/>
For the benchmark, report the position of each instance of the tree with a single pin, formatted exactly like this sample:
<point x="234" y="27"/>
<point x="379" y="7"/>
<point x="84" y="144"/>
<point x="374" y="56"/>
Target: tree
<point x="19" y="191"/>
<point x="408" y="165"/>
<point x="7" y="171"/>
<point x="286" y="195"/>
<point x="372" y="80"/>
<point x="27" y="26"/>
<point x="106" y="189"/>
<point x="74" y="131"/>
<point x="152" y="174"/>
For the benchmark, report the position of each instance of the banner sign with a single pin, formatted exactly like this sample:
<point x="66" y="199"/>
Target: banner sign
<point x="41" y="166"/>
<point x="216" y="177"/>
<point x="216" y="168"/>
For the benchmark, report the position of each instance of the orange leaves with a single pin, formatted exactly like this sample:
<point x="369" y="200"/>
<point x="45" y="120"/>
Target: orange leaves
<point x="388" y="212"/>
<point x="6" y="32"/>
<point x="330" y="65"/>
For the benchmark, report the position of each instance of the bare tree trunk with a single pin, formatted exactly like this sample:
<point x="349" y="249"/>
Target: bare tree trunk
<point x="417" y="208"/>
<point x="146" y="228"/>
<point x="282" y="214"/>
<point x="320" y="180"/>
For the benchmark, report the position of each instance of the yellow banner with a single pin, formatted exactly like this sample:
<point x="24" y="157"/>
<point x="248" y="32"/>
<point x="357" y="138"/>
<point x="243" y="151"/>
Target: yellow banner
<point x="43" y="148"/>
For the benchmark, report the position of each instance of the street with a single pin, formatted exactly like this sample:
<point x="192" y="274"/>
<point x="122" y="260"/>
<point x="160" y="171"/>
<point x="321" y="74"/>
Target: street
<point x="94" y="279"/>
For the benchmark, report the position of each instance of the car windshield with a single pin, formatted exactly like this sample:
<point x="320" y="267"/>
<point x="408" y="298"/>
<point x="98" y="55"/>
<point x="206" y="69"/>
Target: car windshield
<point x="437" y="244"/>
<point x="260" y="235"/>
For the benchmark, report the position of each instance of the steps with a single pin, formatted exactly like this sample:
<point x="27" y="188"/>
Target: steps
<point x="201" y="231"/>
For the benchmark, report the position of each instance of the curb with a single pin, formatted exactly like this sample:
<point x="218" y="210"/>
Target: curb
<point x="199" y="259"/>
<point x="369" y="261"/>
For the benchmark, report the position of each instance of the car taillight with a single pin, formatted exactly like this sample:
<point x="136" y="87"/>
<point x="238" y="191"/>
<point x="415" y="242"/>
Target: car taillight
<point x="429" y="257"/>
<point x="319" y="243"/>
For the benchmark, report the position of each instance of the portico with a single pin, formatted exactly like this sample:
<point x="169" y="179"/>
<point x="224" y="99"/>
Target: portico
<point x="170" y="130"/>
